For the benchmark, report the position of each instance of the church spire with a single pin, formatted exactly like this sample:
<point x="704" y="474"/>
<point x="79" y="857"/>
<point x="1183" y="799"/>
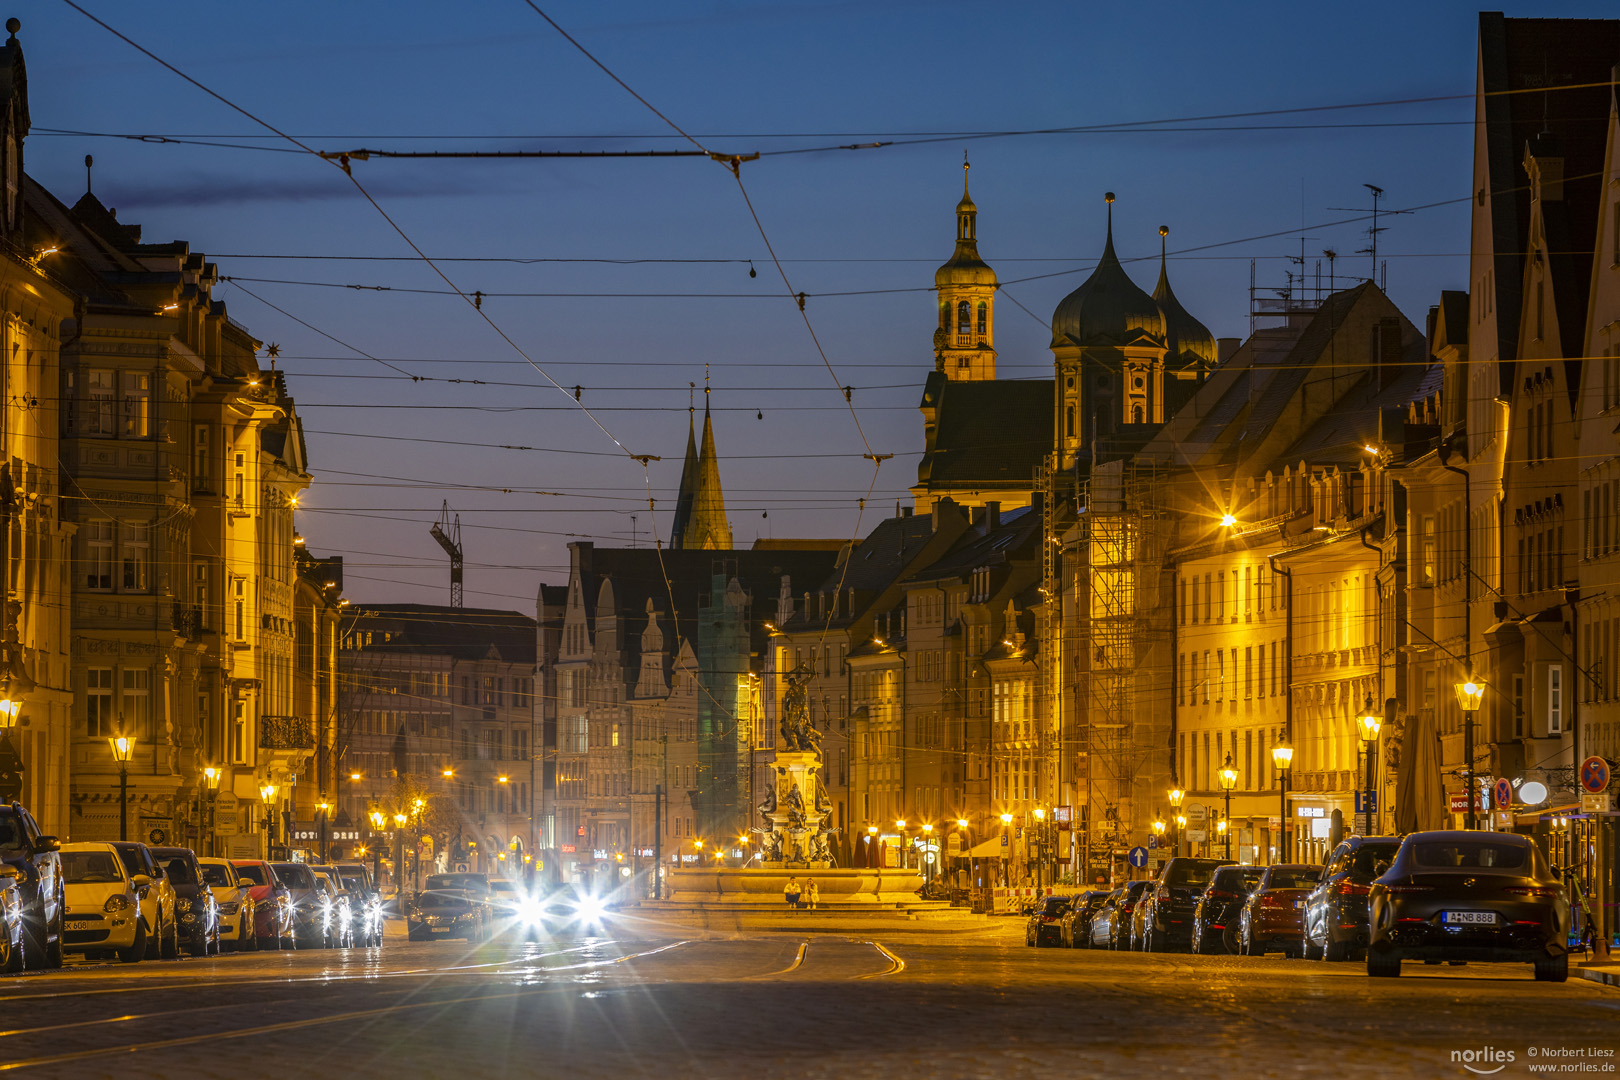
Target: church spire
<point x="964" y="341"/>
<point x="707" y="528"/>
<point x="689" y="472"/>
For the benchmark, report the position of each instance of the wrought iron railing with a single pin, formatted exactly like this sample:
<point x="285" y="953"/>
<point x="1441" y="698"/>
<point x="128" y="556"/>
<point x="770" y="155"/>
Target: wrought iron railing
<point x="285" y="733"/>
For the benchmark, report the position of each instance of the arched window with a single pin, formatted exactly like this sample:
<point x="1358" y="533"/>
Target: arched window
<point x="964" y="318"/>
<point x="984" y="317"/>
<point x="1136" y="414"/>
<point x="1068" y="422"/>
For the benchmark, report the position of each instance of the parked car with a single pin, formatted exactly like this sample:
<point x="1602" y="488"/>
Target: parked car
<point x="1128" y="933"/>
<point x="198" y="914"/>
<point x="475" y="885"/>
<point x="1168" y="908"/>
<point x="234" y="896"/>
<point x="11" y="919"/>
<point x="308" y="903"/>
<point x="1274" y="915"/>
<point x="1336" y="910"/>
<point x="1103" y="919"/>
<point x="1220" y="907"/>
<point x="39" y="875"/>
<point x="103" y="903"/>
<point x="435" y="913"/>
<point x="158" y="907"/>
<point x="1076" y="932"/>
<point x="273" y="922"/>
<point x="1045" y="924"/>
<point x="1461" y="895"/>
<point x="366" y="901"/>
<point x="339" y="908"/>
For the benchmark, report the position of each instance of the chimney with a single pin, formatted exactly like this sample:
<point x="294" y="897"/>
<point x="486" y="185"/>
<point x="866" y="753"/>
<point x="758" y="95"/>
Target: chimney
<point x="992" y="515"/>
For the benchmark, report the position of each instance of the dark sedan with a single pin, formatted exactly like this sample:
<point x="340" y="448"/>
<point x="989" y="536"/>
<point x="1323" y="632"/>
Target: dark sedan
<point x="196" y="910"/>
<point x="1469" y="896"/>
<point x="436" y="914"/>
<point x="1220" y="906"/>
<point x="1077" y="920"/>
<point x="1167" y="911"/>
<point x="1111" y="926"/>
<point x="1274" y="916"/>
<point x="1045" y="923"/>
<point x="1336" y="910"/>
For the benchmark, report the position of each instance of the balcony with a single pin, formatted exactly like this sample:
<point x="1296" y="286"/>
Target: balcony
<point x="285" y="733"/>
<point x="187" y="621"/>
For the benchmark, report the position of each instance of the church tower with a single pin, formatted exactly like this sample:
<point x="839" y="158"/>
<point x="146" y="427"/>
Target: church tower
<point x="964" y="343"/>
<point x="1190" y="352"/>
<point x="700" y="507"/>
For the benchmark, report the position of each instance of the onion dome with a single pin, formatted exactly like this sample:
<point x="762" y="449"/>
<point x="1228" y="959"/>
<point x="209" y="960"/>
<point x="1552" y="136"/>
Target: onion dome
<point x="1109" y="309"/>
<point x="965" y="267"/>
<point x="1188" y="342"/>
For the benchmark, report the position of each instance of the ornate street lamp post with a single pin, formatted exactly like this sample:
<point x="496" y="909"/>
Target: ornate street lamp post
<point x="1006" y="850"/>
<point x="1469" y="695"/>
<point x="326" y="813"/>
<point x="123" y="748"/>
<point x="379" y="821"/>
<point x="901" y="827"/>
<point x="268" y="794"/>
<point x="211" y="775"/>
<point x="1282" y="756"/>
<point x="1176" y="797"/>
<point x="1229" y="777"/>
<point x="1369" y="724"/>
<point x="399" y="854"/>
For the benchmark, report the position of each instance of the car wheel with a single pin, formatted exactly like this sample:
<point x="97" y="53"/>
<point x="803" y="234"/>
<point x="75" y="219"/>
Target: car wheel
<point x="1147" y="939"/>
<point x="1312" y="950"/>
<point x="1552" y="968"/>
<point x="1336" y="951"/>
<point x="137" y="949"/>
<point x="14" y="952"/>
<point x="1383" y="965"/>
<point x="154" y="942"/>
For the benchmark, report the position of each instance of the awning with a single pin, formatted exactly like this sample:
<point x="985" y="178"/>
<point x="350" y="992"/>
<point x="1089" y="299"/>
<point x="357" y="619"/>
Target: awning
<point x="988" y="849"/>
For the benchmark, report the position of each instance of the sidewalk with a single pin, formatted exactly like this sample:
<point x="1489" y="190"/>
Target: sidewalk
<point x="1608" y="973"/>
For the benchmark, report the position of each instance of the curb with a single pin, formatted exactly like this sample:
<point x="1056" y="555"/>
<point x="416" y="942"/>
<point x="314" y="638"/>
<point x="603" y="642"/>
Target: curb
<point x="1609" y="976"/>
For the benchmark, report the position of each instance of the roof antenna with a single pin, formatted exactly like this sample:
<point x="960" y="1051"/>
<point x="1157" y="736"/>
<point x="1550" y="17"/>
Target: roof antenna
<point x="88" y="161"/>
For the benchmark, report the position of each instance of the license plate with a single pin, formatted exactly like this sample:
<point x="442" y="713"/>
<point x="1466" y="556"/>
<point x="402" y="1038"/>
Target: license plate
<point x="1473" y="918"/>
<point x="81" y="924"/>
<point x="1299" y="903"/>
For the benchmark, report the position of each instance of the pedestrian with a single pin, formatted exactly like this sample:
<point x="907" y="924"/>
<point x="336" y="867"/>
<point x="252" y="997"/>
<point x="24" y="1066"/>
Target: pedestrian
<point x="812" y="893"/>
<point x="791" y="892"/>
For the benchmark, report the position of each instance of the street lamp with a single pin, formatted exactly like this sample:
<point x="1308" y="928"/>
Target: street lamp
<point x="928" y="835"/>
<point x="268" y="793"/>
<point x="1229" y="777"/>
<point x="379" y="821"/>
<point x="1282" y="756"/>
<point x="326" y="812"/>
<point x="399" y="852"/>
<point x="1469" y="695"/>
<point x="123" y="748"/>
<point x="211" y="776"/>
<point x="1369" y="724"/>
<point x="1176" y="797"/>
<point x="900" y="826"/>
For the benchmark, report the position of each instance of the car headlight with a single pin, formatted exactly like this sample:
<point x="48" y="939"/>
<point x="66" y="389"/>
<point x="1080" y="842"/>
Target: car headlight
<point x="117" y="903"/>
<point x="228" y="908"/>
<point x="589" y="910"/>
<point x="530" y="911"/>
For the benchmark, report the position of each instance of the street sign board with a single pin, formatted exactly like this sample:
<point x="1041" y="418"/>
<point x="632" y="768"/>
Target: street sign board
<point x="1595" y="802"/>
<point x="1138" y="857"/>
<point x="1503" y="792"/>
<point x="1458" y="801"/>
<point x="1594" y="775"/>
<point x="228" y="827"/>
<point x="1153" y="843"/>
<point x="1370" y="799"/>
<point x="1197" y="836"/>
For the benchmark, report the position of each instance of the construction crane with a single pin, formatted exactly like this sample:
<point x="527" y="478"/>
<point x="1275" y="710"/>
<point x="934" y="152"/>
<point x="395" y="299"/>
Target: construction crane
<point x="448" y="533"/>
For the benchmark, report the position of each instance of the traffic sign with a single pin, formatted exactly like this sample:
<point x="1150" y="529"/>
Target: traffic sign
<point x="1503" y="792"/>
<point x="1153" y="843"/>
<point x="1594" y="775"/>
<point x="1138" y="857"/>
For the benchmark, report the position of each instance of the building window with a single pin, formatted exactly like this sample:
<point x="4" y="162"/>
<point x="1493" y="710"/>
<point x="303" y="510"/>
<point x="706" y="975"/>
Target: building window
<point x="239" y="601"/>
<point x="1555" y="699"/>
<point x="984" y="317"/>
<point x="137" y="404"/>
<point x="135" y="558"/>
<point x="239" y="733"/>
<point x="98" y="555"/>
<point x="99" y="394"/>
<point x="134" y="700"/>
<point x="239" y="480"/>
<point x="202" y="477"/>
<point x="98" y="702"/>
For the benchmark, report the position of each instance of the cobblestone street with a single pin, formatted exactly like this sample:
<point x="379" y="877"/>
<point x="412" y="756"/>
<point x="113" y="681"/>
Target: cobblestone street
<point x="656" y="1004"/>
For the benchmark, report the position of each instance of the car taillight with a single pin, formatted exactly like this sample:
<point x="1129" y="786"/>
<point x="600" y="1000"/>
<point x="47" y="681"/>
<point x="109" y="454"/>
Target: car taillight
<point x="1217" y="894"/>
<point x="1410" y="888"/>
<point x="1532" y="891"/>
<point x="1346" y="887"/>
<point x="1270" y="900"/>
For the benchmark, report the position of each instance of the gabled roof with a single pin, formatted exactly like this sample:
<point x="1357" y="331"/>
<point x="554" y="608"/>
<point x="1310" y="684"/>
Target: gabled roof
<point x="1017" y="537"/>
<point x="461" y="633"/>
<point x="987" y="434"/>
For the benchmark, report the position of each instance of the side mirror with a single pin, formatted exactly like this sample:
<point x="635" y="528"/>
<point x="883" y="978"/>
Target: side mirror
<point x="47" y="843"/>
<point x="141" y="882"/>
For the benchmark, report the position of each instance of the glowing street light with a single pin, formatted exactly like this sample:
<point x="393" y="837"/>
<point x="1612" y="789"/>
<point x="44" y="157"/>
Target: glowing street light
<point x="1282" y="756"/>
<point x="123" y="748"/>
<point x="1229" y="778"/>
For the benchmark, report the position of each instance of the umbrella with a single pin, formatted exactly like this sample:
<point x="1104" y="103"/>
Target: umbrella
<point x="1418" y="797"/>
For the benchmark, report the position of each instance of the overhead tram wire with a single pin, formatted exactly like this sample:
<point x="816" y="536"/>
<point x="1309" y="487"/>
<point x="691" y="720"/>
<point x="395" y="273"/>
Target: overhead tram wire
<point x="343" y="165"/>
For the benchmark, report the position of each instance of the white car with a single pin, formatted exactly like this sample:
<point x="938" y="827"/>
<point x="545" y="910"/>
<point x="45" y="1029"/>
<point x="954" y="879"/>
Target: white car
<point x="234" y="895"/>
<point x="103" y="903"/>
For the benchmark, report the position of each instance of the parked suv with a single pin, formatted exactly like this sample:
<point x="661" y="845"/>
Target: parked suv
<point x="157" y="899"/>
<point x="308" y="903"/>
<point x="1167" y="916"/>
<point x="39" y="877"/>
<point x="1336" y="910"/>
<point x="198" y="913"/>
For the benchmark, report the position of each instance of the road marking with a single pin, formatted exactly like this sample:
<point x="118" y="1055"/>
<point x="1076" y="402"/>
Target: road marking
<point x="798" y="959"/>
<point x="896" y="965"/>
<point x="317" y="1021"/>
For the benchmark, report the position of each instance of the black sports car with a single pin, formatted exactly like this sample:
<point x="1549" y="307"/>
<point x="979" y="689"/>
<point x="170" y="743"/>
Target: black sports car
<point x="438" y="913"/>
<point x="1469" y="896"/>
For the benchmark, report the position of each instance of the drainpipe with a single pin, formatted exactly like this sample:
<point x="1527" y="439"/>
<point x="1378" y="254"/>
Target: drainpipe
<point x="1284" y="850"/>
<point x="1470" y="820"/>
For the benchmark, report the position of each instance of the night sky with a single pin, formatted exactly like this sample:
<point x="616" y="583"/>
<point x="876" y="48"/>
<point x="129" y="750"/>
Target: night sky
<point x="741" y="77"/>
